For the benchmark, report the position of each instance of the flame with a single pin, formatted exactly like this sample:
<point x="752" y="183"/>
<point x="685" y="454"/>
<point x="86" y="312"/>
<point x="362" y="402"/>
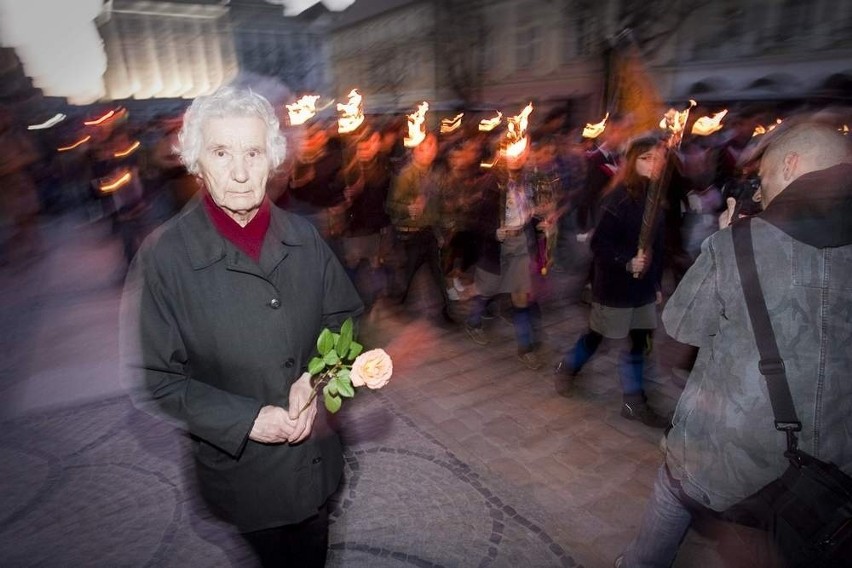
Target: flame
<point x="351" y="113"/>
<point x="759" y="129"/>
<point x="844" y="129"/>
<point x="127" y="151"/>
<point x="596" y="129"/>
<point x="302" y="110"/>
<point x="108" y="117"/>
<point x="707" y="125"/>
<point x="416" y="126"/>
<point x="488" y="124"/>
<point x="116" y="183"/>
<point x="675" y="121"/>
<point x="75" y="144"/>
<point x="516" y="136"/>
<point x="56" y="119"/>
<point x="451" y="124"/>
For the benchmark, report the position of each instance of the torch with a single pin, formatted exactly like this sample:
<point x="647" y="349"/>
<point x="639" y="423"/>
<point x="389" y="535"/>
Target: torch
<point x="674" y="121"/>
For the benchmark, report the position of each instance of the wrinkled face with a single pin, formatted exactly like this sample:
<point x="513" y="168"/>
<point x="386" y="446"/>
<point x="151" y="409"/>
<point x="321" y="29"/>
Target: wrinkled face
<point x="650" y="164"/>
<point x="234" y="164"/>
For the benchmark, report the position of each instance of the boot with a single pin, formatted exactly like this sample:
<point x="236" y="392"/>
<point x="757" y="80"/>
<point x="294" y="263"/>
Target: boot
<point x="635" y="407"/>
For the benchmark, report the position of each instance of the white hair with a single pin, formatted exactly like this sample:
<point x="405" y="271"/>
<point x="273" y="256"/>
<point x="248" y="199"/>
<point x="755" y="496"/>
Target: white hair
<point x="225" y="102"/>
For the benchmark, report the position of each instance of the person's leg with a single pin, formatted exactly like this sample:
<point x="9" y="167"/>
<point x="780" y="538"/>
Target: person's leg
<point x="579" y="355"/>
<point x="414" y="252"/>
<point x="632" y="373"/>
<point x="524" y="333"/>
<point x="664" y="524"/>
<point x="304" y="544"/>
<point x="433" y="258"/>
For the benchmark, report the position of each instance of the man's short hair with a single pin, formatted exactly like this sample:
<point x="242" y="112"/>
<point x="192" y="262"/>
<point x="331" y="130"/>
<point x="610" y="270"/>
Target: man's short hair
<point x="226" y="102"/>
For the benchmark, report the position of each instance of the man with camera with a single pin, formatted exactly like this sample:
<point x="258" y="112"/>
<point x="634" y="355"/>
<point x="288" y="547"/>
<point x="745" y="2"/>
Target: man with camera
<point x="723" y="446"/>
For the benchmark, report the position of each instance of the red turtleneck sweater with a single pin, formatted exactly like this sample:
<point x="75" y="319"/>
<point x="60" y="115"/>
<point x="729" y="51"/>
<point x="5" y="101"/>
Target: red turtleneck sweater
<point x="248" y="239"/>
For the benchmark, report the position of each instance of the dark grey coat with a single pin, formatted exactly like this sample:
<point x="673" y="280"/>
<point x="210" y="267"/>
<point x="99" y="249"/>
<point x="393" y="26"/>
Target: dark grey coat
<point x="210" y="337"/>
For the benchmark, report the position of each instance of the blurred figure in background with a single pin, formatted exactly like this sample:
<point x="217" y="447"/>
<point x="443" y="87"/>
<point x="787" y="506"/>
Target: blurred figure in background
<point x="507" y="239"/>
<point x="316" y="185"/>
<point x="367" y="236"/>
<point x="19" y="203"/>
<point x="626" y="284"/>
<point x="413" y="206"/>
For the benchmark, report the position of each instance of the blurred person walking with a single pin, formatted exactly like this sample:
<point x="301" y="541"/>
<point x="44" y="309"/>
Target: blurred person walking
<point x="507" y="239"/>
<point x="413" y="206"/>
<point x="626" y="284"/>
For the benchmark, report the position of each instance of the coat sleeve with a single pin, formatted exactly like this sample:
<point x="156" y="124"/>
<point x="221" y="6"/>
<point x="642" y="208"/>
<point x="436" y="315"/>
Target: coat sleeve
<point x="340" y="299"/>
<point x="155" y="369"/>
<point x="692" y="313"/>
<point x="605" y="245"/>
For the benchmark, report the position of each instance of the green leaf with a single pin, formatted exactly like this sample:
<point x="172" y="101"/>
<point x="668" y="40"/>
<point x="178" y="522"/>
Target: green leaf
<point x="330" y="388"/>
<point x="331" y="358"/>
<point x="354" y="350"/>
<point x="345" y="339"/>
<point x="325" y="341"/>
<point x="344" y="387"/>
<point x="332" y="403"/>
<point x="343" y="375"/>
<point x="316" y="366"/>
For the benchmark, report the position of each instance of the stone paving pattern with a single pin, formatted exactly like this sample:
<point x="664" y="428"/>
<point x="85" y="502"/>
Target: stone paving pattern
<point x="466" y="458"/>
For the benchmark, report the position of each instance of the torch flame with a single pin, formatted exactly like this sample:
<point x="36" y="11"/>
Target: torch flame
<point x="416" y="126"/>
<point x="106" y="118"/>
<point x="451" y="124"/>
<point x="758" y="130"/>
<point x="351" y="113"/>
<point x="75" y="144"/>
<point x="707" y="125"/>
<point x="844" y="129"/>
<point x="116" y="183"/>
<point x="675" y="121"/>
<point x="488" y="124"/>
<point x="516" y="136"/>
<point x="596" y="129"/>
<point x="127" y="151"/>
<point x="302" y="110"/>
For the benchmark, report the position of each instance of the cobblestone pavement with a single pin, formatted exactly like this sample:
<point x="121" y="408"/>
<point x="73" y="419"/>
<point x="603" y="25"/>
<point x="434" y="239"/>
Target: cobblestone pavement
<point x="467" y="458"/>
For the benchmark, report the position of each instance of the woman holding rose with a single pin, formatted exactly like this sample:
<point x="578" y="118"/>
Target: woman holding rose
<point x="222" y="309"/>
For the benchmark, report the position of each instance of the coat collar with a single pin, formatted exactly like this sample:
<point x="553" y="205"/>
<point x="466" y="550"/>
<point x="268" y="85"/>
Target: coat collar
<point x="206" y="246"/>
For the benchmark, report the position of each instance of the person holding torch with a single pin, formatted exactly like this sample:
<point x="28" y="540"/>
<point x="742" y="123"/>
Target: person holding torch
<point x="626" y="279"/>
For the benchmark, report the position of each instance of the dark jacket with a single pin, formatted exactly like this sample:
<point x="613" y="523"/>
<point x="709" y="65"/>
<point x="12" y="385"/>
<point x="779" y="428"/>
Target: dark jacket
<point x="210" y="337"/>
<point x="614" y="243"/>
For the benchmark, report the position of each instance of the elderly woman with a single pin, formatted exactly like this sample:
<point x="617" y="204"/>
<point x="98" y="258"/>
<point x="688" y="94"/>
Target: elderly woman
<point x="221" y="313"/>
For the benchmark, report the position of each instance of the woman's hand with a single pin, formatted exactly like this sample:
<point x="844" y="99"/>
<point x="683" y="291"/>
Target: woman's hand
<point x="639" y="264"/>
<point x="300" y="393"/>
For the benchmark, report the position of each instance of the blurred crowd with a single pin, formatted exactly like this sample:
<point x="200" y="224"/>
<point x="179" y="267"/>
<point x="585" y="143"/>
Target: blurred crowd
<point x="386" y="210"/>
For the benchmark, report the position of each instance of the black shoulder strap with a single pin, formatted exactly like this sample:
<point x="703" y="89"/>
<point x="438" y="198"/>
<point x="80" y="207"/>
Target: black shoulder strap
<point x="771" y="365"/>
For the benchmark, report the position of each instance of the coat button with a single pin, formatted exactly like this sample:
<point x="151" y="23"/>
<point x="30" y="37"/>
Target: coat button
<point x="289" y="362"/>
<point x="316" y="461"/>
<point x="274" y="303"/>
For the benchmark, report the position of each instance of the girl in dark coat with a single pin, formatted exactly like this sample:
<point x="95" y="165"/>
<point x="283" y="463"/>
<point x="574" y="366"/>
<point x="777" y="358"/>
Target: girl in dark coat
<point x="625" y="284"/>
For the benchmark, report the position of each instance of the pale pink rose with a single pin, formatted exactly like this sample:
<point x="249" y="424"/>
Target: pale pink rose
<point x="372" y="368"/>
